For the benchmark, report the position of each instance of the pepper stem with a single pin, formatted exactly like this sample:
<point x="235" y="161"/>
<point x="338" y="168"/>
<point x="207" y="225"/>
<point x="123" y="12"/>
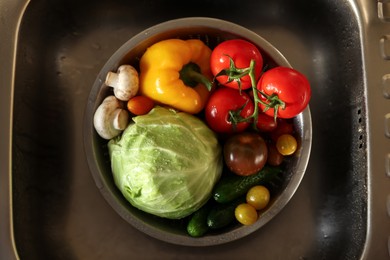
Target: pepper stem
<point x="191" y="75"/>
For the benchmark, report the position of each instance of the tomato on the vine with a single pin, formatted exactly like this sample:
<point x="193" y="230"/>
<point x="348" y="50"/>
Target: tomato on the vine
<point x="226" y="110"/>
<point x="239" y="53"/>
<point x="285" y="90"/>
<point x="265" y="123"/>
<point x="284" y="126"/>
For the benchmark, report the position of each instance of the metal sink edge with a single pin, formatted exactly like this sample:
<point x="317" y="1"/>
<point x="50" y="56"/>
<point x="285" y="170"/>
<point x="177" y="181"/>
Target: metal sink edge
<point x="11" y="14"/>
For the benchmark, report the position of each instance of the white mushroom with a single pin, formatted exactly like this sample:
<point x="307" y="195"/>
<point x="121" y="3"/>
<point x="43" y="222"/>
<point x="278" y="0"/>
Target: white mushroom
<point x="110" y="118"/>
<point x="125" y="82"/>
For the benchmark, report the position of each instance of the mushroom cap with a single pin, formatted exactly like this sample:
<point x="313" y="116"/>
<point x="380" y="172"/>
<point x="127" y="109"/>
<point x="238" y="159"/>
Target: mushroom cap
<point x="125" y="82"/>
<point x="110" y="119"/>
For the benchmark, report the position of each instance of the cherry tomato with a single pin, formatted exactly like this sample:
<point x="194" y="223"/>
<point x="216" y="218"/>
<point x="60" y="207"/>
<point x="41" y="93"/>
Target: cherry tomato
<point x="284" y="126"/>
<point x="274" y="157"/>
<point x="221" y="104"/>
<point x="140" y="105"/>
<point x="241" y="52"/>
<point x="246" y="214"/>
<point x="288" y="86"/>
<point x="245" y="153"/>
<point x="286" y="144"/>
<point x="258" y="197"/>
<point x="266" y="123"/>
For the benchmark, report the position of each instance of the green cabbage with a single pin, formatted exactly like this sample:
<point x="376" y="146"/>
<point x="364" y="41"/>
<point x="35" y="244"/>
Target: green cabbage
<point x="166" y="163"/>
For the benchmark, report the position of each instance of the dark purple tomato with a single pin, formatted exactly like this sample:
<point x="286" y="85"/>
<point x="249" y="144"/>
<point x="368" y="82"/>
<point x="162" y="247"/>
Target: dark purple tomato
<point x="245" y="153"/>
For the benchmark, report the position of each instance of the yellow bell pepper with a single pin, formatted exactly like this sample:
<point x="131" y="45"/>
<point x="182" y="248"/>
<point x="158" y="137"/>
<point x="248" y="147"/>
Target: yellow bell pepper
<point x="177" y="73"/>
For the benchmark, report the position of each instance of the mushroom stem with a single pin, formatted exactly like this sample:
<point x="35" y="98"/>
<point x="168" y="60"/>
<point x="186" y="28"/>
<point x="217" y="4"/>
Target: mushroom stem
<point x="112" y="78"/>
<point x="120" y="119"/>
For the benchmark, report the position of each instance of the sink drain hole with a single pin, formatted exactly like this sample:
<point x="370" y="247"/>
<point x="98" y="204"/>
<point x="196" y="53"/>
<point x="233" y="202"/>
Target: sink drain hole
<point x="360" y="129"/>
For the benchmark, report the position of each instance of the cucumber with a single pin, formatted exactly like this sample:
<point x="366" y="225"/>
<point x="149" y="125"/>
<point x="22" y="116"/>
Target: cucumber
<point x="222" y="215"/>
<point x="233" y="186"/>
<point x="197" y="225"/>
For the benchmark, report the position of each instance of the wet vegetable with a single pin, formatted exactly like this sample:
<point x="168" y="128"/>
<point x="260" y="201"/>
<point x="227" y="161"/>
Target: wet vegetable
<point x="110" y="118"/>
<point x="245" y="153"/>
<point x="233" y="186"/>
<point x="225" y="108"/>
<point x="222" y="215"/>
<point x="246" y="214"/>
<point x="156" y="172"/>
<point x="230" y="62"/>
<point x="140" y="105"/>
<point x="258" y="197"/>
<point x="197" y="225"/>
<point x="125" y="82"/>
<point x="177" y="73"/>
<point x="274" y="157"/>
<point x="286" y="144"/>
<point x="285" y="92"/>
<point x="266" y="123"/>
<point x="168" y="162"/>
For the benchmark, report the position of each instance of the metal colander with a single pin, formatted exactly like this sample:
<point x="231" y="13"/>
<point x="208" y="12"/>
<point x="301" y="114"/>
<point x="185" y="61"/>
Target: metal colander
<point x="211" y="31"/>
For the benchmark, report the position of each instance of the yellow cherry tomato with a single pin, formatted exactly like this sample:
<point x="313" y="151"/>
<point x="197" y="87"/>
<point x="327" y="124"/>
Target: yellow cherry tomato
<point x="258" y="197"/>
<point x="286" y="144"/>
<point x="246" y="214"/>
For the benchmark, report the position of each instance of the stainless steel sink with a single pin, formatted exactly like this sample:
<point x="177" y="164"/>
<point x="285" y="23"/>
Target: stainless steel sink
<point x="51" y="53"/>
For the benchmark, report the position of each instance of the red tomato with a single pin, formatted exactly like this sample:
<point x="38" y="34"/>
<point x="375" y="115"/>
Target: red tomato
<point x="222" y="103"/>
<point x="274" y="158"/>
<point x="284" y="126"/>
<point x="287" y="85"/>
<point x="266" y="123"/>
<point x="140" y="105"/>
<point x="241" y="52"/>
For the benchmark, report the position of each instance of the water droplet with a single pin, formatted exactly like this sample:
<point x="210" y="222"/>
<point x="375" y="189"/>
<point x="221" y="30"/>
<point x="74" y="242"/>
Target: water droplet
<point x="96" y="46"/>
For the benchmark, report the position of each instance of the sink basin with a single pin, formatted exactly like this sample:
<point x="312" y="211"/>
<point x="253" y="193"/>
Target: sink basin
<point x="52" y="52"/>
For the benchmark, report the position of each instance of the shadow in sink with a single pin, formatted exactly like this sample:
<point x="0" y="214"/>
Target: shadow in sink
<point x="59" y="212"/>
